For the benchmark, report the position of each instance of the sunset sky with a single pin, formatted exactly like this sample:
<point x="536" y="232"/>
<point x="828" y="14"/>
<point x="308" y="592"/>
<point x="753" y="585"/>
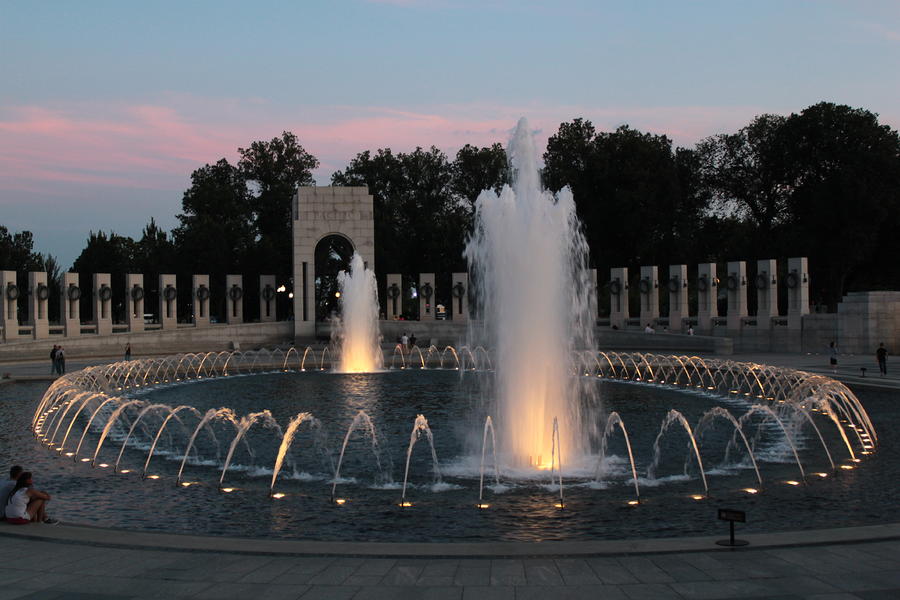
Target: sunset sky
<point x="106" y="107"/>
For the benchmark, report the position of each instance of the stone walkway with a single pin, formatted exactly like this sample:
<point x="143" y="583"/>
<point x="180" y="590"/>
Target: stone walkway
<point x="52" y="570"/>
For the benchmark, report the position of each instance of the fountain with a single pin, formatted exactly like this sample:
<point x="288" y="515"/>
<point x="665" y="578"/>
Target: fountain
<point x="356" y="330"/>
<point x="529" y="262"/>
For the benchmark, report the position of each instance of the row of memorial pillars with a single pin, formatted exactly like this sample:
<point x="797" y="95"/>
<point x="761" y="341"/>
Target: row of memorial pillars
<point x="427" y="289"/>
<point x="708" y="284"/>
<point x="38" y="294"/>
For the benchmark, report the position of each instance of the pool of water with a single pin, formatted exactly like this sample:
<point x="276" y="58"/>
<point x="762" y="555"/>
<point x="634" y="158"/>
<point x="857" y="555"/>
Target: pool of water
<point x="520" y="509"/>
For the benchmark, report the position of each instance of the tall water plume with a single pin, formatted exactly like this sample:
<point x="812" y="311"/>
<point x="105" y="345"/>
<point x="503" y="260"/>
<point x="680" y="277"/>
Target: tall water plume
<point x="356" y="330"/>
<point x="528" y="259"/>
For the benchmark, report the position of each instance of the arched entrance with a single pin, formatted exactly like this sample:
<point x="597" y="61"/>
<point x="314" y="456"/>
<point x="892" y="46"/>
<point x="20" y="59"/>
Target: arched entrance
<point x="326" y="222"/>
<point x="333" y="254"/>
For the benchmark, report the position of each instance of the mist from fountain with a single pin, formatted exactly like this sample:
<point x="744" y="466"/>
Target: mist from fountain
<point x="356" y="330"/>
<point x="529" y="265"/>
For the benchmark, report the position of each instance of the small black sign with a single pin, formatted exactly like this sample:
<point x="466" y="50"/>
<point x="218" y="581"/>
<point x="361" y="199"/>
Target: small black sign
<point x="735" y="516"/>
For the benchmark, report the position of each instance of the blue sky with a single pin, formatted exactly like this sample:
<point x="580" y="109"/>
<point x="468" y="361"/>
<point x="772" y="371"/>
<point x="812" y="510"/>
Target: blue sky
<point x="107" y="107"/>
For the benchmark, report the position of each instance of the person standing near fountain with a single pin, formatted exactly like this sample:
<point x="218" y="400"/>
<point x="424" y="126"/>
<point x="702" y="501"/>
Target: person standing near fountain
<point x="833" y="354"/>
<point x="881" y="357"/>
<point x="128" y="352"/>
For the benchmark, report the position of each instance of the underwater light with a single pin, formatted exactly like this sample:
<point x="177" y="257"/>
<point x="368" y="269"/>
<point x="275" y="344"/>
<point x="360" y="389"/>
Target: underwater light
<point x="482" y="505"/>
<point x="340" y="501"/>
<point x="633" y="502"/>
<point x="228" y="490"/>
<point x="696" y="496"/>
<point x="848" y="467"/>
<point x="103" y="465"/>
<point x="123" y="471"/>
<point x="152" y="476"/>
<point x="405" y="504"/>
<point x="751" y="490"/>
<point x="279" y="495"/>
<point x="85" y="459"/>
<point x="792" y="482"/>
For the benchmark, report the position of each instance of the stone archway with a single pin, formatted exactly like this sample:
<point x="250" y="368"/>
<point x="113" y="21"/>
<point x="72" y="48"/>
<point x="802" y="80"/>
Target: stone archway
<point x="317" y="214"/>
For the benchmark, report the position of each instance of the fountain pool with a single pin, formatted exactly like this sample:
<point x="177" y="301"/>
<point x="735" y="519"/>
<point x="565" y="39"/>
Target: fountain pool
<point x="314" y="410"/>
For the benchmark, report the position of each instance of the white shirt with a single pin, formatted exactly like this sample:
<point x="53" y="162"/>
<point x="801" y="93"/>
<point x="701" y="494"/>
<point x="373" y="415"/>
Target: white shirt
<point x="17" y="508"/>
<point x="404" y="340"/>
<point x="649" y="329"/>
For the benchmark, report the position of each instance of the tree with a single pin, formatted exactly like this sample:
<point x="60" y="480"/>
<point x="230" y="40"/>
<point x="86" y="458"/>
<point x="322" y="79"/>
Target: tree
<point x="216" y="231"/>
<point x="744" y="173"/>
<point x="16" y="251"/>
<point x="843" y="169"/>
<point x="637" y="198"/>
<point x="275" y="168"/>
<point x="478" y="169"/>
<point x="419" y="223"/>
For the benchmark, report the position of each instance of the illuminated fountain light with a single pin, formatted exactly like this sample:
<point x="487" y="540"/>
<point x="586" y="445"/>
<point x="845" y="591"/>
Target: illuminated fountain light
<point x="279" y="495"/>
<point x="697" y="497"/>
<point x="633" y="502"/>
<point x="482" y="505"/>
<point x="751" y="490"/>
<point x="405" y="504"/>
<point x="152" y="476"/>
<point x="848" y="467"/>
<point x="340" y="501"/>
<point x="228" y="490"/>
<point x="792" y="482"/>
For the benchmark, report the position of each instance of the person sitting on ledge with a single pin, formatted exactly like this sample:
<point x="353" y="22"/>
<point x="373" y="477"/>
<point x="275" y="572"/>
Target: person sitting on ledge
<point x="649" y="329"/>
<point x="7" y="486"/>
<point x="25" y="504"/>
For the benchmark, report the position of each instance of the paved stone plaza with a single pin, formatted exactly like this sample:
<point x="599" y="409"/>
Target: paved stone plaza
<point x="51" y="570"/>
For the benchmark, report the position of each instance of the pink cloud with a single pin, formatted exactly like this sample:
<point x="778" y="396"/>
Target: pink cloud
<point x="156" y="145"/>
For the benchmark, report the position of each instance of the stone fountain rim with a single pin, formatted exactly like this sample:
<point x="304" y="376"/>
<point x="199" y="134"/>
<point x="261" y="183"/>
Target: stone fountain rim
<point x="140" y="540"/>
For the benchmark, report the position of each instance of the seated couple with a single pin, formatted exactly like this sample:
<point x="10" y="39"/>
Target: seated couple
<point x="23" y="502"/>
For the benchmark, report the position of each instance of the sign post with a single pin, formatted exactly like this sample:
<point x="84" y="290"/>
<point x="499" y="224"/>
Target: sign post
<point x="732" y="516"/>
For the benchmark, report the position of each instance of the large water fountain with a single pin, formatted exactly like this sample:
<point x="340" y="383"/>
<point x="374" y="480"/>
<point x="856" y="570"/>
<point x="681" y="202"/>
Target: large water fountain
<point x="343" y="423"/>
<point x="355" y="331"/>
<point x="529" y="261"/>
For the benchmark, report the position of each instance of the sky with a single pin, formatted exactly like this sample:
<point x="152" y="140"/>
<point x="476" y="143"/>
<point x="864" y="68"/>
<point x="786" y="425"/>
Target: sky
<point x="106" y="107"/>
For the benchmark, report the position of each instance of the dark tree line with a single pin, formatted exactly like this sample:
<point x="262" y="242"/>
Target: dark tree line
<point x="823" y="183"/>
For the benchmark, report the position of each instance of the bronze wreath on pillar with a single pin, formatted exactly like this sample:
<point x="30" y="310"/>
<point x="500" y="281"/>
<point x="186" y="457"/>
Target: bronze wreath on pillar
<point x="170" y="293"/>
<point x="458" y="290"/>
<point x="733" y="282"/>
<point x="12" y="291"/>
<point x="615" y="287"/>
<point x="42" y="292"/>
<point x="105" y="293"/>
<point x="644" y="286"/>
<point x="235" y="293"/>
<point x="203" y="293"/>
<point x="268" y="293"/>
<point x="792" y="279"/>
<point x="427" y="291"/>
<point x="393" y="291"/>
<point x="762" y="281"/>
<point x="674" y="285"/>
<point x="137" y="293"/>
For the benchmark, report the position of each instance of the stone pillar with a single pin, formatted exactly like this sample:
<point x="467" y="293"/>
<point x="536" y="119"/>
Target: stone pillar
<point x="168" y="301"/>
<point x="102" y="303"/>
<point x="9" y="318"/>
<point x="649" y="289"/>
<point x="394" y="296"/>
<point x="38" y="300"/>
<point x="678" y="296"/>
<point x="460" y="297"/>
<point x="797" y="280"/>
<point x="267" y="292"/>
<point x="234" y="294"/>
<point x="766" y="285"/>
<point x="707" y="294"/>
<point x="426" y="296"/>
<point x="736" y="285"/>
<point x="134" y="302"/>
<point x="200" y="298"/>
<point x="70" y="305"/>
<point x="618" y="297"/>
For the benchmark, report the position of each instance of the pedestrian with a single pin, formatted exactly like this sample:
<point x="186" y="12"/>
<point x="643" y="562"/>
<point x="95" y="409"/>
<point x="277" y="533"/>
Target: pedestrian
<point x="881" y="355"/>
<point x="25" y="504"/>
<point x="404" y="340"/>
<point x="53" y="359"/>
<point x="7" y="486"/>
<point x="691" y="330"/>
<point x="128" y="351"/>
<point x="649" y="329"/>
<point x="61" y="361"/>
<point x="833" y="354"/>
<point x="412" y="341"/>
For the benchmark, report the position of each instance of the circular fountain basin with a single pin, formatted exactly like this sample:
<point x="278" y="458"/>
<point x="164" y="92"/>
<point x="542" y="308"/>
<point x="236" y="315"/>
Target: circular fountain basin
<point x="368" y="502"/>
